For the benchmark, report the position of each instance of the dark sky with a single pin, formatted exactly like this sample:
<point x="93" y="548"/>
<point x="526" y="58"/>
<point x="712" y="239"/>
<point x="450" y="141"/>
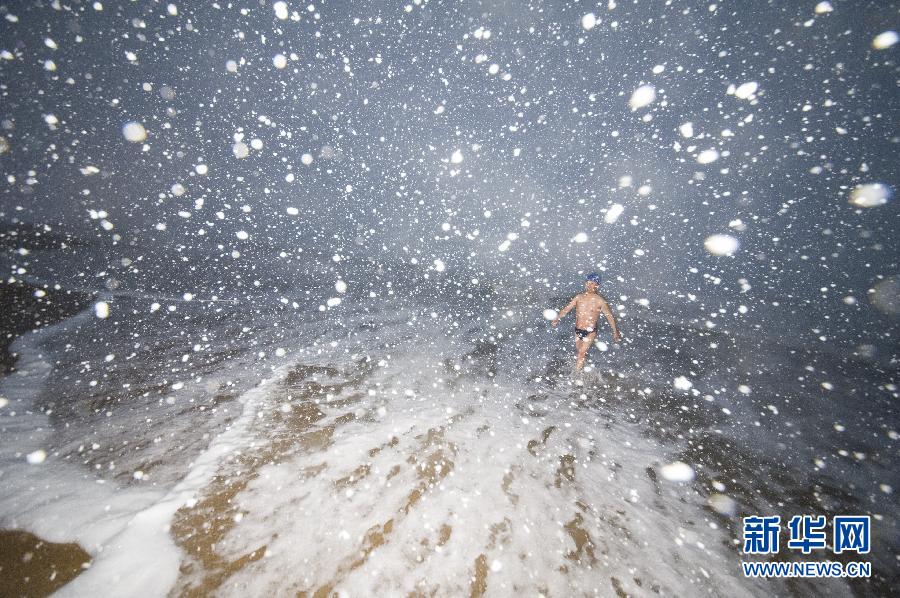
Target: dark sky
<point x="381" y="98"/>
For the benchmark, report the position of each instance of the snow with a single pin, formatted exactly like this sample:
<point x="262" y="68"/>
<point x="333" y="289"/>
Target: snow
<point x="677" y="471"/>
<point x="682" y="383"/>
<point x="641" y="97"/>
<point x="746" y="91"/>
<point x="134" y="132"/>
<point x="721" y="244"/>
<point x="870" y="195"/>
<point x="612" y="215"/>
<point x="885" y="40"/>
<point x="101" y="309"/>
<point x="36" y="457"/>
<point x="722" y="504"/>
<point x="368" y="193"/>
<point x="240" y="150"/>
<point x="588" y="21"/>
<point x="708" y="156"/>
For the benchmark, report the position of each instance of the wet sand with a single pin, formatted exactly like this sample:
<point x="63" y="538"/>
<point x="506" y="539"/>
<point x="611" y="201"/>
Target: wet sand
<point x="30" y="566"/>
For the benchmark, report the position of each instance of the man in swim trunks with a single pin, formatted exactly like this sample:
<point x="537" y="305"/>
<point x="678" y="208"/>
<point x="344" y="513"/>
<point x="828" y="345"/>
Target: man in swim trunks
<point x="588" y="307"/>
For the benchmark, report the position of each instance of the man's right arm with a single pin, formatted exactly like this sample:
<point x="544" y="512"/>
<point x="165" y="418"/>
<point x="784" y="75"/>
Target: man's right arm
<point x="565" y="310"/>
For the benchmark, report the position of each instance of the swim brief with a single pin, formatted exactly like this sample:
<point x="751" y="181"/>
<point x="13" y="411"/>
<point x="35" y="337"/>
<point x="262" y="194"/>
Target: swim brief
<point x="582" y="333"/>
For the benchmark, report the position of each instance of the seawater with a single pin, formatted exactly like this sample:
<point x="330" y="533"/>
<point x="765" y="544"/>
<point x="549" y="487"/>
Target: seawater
<point x="444" y="447"/>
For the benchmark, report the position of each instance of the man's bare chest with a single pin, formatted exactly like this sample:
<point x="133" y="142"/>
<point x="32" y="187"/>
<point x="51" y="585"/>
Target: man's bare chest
<point x="588" y="304"/>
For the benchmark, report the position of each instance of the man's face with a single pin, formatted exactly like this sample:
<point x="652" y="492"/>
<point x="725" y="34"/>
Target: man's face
<point x="590" y="286"/>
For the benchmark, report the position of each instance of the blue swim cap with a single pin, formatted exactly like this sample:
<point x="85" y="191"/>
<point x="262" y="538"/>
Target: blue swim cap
<point x="593" y="277"/>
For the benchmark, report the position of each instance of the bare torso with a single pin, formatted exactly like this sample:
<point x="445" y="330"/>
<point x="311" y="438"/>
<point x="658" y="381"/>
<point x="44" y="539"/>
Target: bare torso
<point x="587" y="309"/>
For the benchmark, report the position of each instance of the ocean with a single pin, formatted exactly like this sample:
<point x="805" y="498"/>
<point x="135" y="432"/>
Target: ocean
<point x="441" y="447"/>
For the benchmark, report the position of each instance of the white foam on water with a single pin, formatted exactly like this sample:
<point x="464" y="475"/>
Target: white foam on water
<point x="427" y="480"/>
<point x="459" y="461"/>
<point x="142" y="559"/>
<point x="51" y="497"/>
<point x="125" y="529"/>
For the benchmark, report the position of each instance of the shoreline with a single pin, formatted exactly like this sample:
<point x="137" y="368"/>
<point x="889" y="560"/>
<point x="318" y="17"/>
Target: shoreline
<point x="28" y="561"/>
<point x="25" y="311"/>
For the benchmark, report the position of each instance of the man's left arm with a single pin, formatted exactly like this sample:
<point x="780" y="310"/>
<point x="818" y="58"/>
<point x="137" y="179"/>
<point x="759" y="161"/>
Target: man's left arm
<point x="604" y="307"/>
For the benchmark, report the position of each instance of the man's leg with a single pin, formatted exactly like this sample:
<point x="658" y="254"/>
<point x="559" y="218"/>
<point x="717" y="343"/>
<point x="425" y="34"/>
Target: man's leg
<point x="582" y="346"/>
<point x="580" y="352"/>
